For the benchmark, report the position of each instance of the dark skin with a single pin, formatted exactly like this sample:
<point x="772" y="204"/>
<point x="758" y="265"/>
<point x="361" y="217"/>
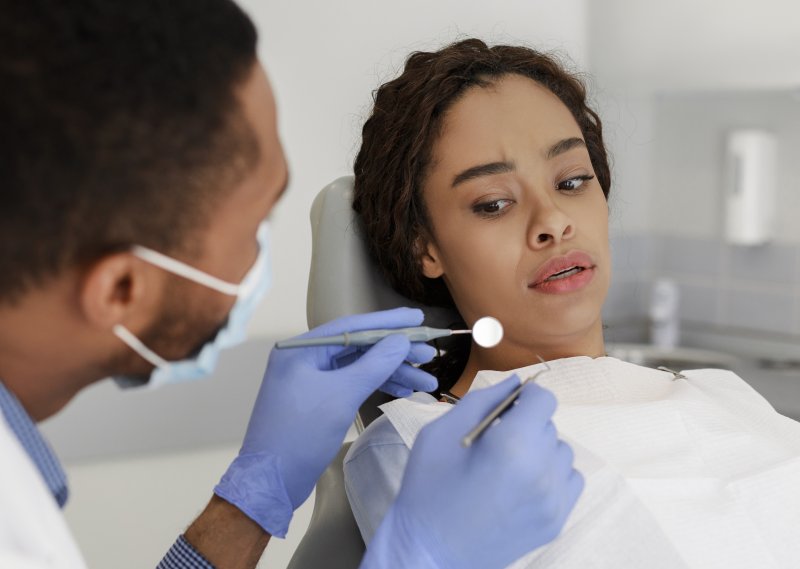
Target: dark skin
<point x="58" y="339"/>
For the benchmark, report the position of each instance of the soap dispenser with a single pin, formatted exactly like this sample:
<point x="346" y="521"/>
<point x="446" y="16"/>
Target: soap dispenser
<point x="750" y="187"/>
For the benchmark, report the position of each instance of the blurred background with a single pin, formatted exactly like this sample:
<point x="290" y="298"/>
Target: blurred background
<point x="701" y="105"/>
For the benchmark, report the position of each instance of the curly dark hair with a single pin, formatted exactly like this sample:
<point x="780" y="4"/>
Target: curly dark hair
<point x="397" y="142"/>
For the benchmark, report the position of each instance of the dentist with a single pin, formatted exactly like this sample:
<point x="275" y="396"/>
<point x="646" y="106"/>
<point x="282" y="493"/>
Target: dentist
<point x="139" y="160"/>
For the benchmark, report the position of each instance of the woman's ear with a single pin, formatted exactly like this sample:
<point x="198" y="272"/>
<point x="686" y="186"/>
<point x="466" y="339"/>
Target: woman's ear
<point x="114" y="290"/>
<point x="429" y="258"/>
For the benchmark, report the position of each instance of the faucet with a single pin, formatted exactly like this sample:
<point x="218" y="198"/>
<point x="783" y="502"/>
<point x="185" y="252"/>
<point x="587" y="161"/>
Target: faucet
<point x="664" y="321"/>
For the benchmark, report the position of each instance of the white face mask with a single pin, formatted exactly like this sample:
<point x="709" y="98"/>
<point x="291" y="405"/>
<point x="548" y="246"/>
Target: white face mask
<point x="248" y="294"/>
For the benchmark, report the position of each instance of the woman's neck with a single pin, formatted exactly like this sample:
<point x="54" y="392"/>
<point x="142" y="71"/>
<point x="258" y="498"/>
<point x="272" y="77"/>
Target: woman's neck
<point x="508" y="355"/>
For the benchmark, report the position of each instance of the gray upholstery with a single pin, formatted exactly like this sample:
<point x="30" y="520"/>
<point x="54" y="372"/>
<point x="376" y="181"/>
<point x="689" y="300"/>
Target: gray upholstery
<point x="343" y="281"/>
<point x="332" y="540"/>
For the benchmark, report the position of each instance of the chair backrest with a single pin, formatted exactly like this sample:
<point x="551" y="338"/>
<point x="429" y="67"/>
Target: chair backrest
<point x="332" y="539"/>
<point x="343" y="280"/>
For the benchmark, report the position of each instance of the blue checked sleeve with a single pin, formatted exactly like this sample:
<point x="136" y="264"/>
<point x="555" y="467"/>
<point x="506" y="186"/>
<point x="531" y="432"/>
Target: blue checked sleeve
<point x="183" y="556"/>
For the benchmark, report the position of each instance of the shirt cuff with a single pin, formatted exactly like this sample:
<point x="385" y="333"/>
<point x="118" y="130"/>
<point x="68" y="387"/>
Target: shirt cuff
<point x="183" y="556"/>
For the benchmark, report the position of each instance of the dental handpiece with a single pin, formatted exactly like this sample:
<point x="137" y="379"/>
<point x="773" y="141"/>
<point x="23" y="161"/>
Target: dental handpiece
<point x="487" y="332"/>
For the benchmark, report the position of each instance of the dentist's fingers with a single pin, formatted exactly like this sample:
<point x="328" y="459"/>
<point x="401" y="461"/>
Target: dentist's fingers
<point x="575" y="486"/>
<point x="395" y="318"/>
<point x="421" y="353"/>
<point x="341" y="356"/>
<point x="403" y="388"/>
<point x="396" y="390"/>
<point x="414" y="378"/>
<point x="529" y="414"/>
<point x="377" y="364"/>
<point x="563" y="460"/>
<point x="474" y="406"/>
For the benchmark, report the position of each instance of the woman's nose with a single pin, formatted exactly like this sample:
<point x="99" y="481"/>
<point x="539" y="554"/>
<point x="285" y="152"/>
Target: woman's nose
<point x="549" y="226"/>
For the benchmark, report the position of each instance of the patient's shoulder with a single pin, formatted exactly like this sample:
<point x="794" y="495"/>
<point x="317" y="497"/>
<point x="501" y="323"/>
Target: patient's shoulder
<point x="380" y="432"/>
<point x="373" y="472"/>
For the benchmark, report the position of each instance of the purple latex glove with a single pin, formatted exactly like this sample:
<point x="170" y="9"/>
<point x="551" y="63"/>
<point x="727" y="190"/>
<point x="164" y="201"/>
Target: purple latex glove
<point x="307" y="401"/>
<point x="487" y="505"/>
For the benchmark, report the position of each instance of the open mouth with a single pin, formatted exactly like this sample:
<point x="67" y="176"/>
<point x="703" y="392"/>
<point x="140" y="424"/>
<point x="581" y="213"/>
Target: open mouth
<point x="565" y="274"/>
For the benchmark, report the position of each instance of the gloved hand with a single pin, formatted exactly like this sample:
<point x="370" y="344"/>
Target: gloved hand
<point x="304" y="408"/>
<point x="487" y="505"/>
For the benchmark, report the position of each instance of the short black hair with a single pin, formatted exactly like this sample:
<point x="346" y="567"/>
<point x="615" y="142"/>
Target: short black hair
<point x="119" y="124"/>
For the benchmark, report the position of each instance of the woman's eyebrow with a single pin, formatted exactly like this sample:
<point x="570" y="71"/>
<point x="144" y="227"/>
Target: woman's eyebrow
<point x="563" y="146"/>
<point x="493" y="168"/>
<point x="483" y="170"/>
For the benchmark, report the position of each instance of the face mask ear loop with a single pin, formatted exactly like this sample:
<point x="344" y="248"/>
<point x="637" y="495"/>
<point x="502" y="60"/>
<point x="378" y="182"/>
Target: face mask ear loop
<point x="186" y="271"/>
<point x="137" y="346"/>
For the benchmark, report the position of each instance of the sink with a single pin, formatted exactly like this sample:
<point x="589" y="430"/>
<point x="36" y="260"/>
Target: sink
<point x="673" y="358"/>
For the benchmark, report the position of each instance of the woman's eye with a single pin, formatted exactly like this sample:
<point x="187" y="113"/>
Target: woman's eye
<point x="491" y="208"/>
<point x="573" y="184"/>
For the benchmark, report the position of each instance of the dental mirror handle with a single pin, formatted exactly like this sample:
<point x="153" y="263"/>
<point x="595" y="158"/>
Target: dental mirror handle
<point x="367" y="337"/>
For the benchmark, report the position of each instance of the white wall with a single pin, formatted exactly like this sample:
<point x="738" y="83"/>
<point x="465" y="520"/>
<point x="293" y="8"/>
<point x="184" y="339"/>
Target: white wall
<point x="650" y="45"/>
<point x="638" y="50"/>
<point x="325" y="59"/>
<point x="689" y="191"/>
<point x="125" y="513"/>
<point x="628" y="130"/>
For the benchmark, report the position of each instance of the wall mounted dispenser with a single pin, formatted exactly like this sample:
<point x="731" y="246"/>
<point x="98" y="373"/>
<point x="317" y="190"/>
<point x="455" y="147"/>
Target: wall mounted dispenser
<point x="750" y="186"/>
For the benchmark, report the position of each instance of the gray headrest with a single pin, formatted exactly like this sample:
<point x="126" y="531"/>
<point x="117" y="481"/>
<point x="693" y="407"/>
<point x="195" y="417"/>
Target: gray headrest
<point x="343" y="280"/>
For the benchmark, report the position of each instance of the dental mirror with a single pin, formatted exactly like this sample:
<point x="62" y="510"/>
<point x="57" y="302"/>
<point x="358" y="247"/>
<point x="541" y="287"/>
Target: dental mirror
<point x="487" y="332"/>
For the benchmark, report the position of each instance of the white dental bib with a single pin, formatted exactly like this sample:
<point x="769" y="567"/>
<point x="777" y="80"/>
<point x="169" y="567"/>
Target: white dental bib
<point x="698" y="472"/>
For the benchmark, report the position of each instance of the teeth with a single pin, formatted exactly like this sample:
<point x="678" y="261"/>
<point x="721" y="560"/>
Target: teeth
<point x="564" y="274"/>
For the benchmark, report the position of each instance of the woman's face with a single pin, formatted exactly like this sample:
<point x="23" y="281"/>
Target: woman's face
<point x="520" y="224"/>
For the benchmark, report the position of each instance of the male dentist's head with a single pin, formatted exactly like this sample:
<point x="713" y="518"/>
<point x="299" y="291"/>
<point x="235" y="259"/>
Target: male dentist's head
<point x="113" y="174"/>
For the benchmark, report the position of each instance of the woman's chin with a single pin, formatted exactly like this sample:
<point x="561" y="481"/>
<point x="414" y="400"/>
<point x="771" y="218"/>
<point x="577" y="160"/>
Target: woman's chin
<point x="562" y="335"/>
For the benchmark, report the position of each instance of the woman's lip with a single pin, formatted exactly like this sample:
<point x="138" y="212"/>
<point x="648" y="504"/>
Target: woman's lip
<point x="561" y="263"/>
<point x="568" y="284"/>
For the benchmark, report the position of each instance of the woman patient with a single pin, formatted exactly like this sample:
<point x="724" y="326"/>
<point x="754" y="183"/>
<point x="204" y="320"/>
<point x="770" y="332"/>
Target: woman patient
<point x="482" y="183"/>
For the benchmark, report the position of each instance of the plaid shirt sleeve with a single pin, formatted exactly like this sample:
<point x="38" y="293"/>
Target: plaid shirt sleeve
<point x="183" y="556"/>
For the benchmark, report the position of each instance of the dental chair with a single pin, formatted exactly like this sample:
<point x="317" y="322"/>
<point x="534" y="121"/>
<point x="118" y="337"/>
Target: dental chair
<point x="343" y="280"/>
